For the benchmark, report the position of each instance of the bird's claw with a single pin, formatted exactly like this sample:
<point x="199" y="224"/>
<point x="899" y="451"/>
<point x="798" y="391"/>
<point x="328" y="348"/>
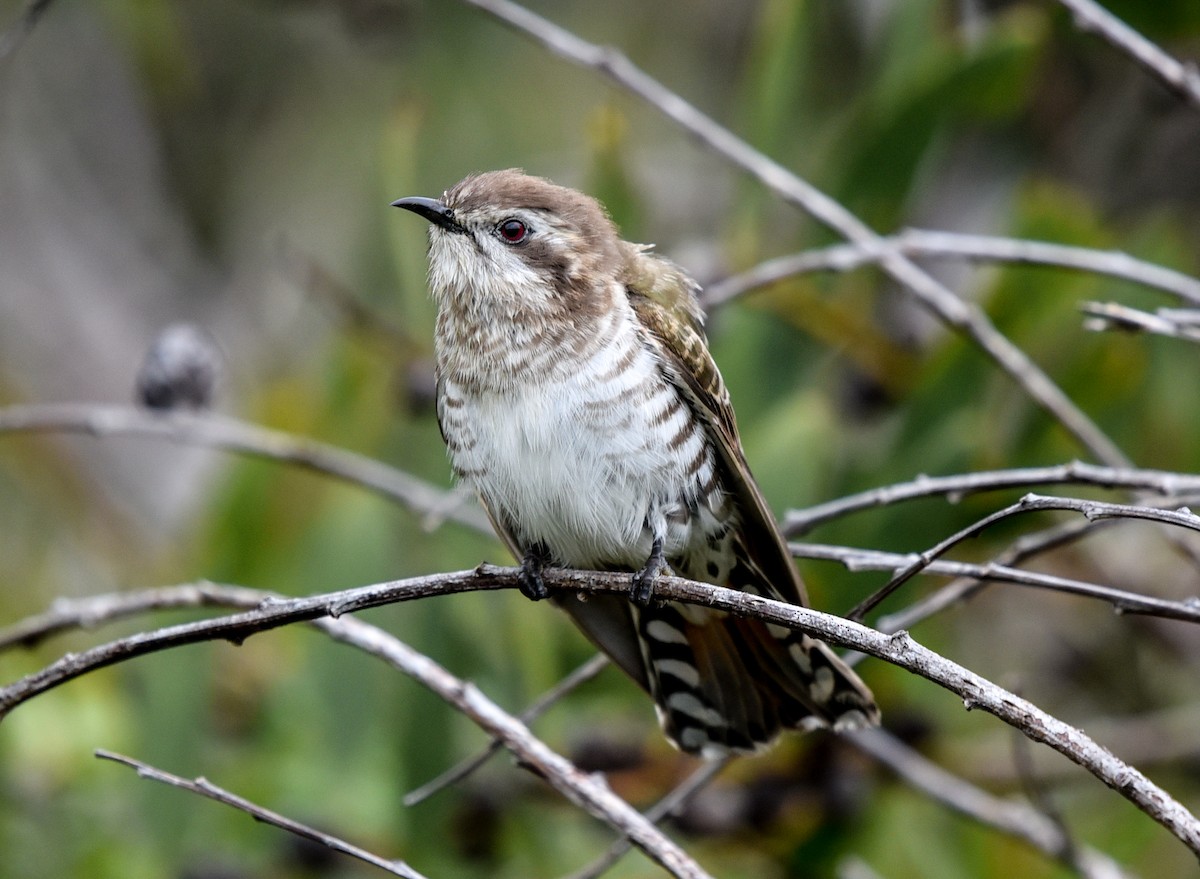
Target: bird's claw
<point x="530" y="580"/>
<point x="641" y="591"/>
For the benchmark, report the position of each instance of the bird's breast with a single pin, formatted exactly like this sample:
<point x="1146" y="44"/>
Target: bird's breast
<point x="590" y="461"/>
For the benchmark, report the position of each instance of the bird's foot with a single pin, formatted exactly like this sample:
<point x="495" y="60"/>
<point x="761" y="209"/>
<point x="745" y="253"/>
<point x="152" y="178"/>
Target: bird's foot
<point x="642" y="588"/>
<point x="530" y="579"/>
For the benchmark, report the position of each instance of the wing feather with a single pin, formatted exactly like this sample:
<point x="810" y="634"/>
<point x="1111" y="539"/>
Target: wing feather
<point x="664" y="299"/>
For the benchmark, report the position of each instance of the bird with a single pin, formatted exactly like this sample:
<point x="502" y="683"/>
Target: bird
<point x="577" y="396"/>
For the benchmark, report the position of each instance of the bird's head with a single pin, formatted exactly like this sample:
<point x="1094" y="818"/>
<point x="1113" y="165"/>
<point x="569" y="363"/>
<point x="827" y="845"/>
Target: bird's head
<point x="505" y="237"/>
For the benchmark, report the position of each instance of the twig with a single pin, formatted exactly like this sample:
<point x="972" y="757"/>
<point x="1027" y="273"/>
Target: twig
<point x="1025" y="547"/>
<point x="1011" y="817"/>
<point x="93" y="610"/>
<point x="962" y="316"/>
<point x="1037" y="795"/>
<point x="84" y="613"/>
<point x="585" y="791"/>
<point x="1181" y="78"/>
<point x="216" y="431"/>
<point x="899" y="649"/>
<point x="540" y="706"/>
<point x="664" y="808"/>
<point x="589" y="792"/>
<point x="926" y="243"/>
<point x="1173" y="323"/>
<point x="1163" y="737"/>
<point x="956" y="487"/>
<point x="205" y="788"/>
<point x="1122" y="601"/>
<point x="1093" y="510"/>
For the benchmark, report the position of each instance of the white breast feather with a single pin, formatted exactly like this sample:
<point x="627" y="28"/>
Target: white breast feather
<point x="582" y="480"/>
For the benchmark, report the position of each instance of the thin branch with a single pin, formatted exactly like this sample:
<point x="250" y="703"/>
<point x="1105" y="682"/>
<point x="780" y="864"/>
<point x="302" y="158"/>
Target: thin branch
<point x="1008" y="816"/>
<point x="666" y="807"/>
<point x="956" y="487"/>
<point x="536" y="709"/>
<point x="1027" y="546"/>
<point x="900" y="649"/>
<point x="1180" y="77"/>
<point x="933" y="244"/>
<point x="1093" y="510"/>
<point x="962" y="316"/>
<point x="1122" y="601"/>
<point x="228" y="434"/>
<point x="1039" y="797"/>
<point x="1174" y="323"/>
<point x="1164" y="737"/>
<point x="588" y="792"/>
<point x="84" y="613"/>
<point x="205" y="788"/>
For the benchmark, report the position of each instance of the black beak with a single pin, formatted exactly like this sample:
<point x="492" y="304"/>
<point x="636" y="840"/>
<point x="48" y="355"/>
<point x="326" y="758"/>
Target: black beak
<point x="432" y="210"/>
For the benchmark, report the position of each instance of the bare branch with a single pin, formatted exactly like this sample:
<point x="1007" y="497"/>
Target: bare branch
<point x="1122" y="601"/>
<point x="588" y="792"/>
<point x="1175" y="323"/>
<point x="205" y="788"/>
<point x="536" y="709"/>
<point x="1009" y="816"/>
<point x="899" y="649"/>
<point x="663" y="809"/>
<point x="925" y="243"/>
<point x="956" y="487"/>
<point x="1025" y="547"/>
<point x="219" y="432"/>
<point x="84" y="613"/>
<point x="1181" y="78"/>
<point x="963" y="317"/>
<point x="1093" y="510"/>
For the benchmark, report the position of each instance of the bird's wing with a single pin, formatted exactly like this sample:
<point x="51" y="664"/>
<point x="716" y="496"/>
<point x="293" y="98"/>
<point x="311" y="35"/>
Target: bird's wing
<point x="664" y="299"/>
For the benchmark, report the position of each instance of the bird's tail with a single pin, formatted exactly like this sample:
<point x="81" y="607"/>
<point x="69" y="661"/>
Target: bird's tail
<point x="723" y="683"/>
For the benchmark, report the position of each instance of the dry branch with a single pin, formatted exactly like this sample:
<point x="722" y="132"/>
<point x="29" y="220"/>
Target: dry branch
<point x="1123" y="601"/>
<point x="229" y="434"/>
<point x="899" y="649"/>
<point x="956" y="487"/>
<point x="1093" y="510"/>
<point x="1009" y="816"/>
<point x="271" y="611"/>
<point x="933" y="244"/>
<point x="1181" y="78"/>
<point x="205" y="788"/>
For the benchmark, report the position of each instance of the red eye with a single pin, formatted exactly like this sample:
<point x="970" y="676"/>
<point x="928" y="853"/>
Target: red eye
<point x="513" y="231"/>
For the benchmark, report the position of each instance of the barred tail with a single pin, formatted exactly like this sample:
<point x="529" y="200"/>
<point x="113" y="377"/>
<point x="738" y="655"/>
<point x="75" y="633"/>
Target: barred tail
<point x="722" y="683"/>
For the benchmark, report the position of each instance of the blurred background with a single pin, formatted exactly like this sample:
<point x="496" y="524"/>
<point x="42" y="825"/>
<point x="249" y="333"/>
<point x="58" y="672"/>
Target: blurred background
<point x="230" y="163"/>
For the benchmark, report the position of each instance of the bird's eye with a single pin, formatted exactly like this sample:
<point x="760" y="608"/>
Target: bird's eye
<point x="513" y="231"/>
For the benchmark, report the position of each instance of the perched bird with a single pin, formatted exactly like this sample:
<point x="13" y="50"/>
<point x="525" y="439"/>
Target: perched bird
<point x="577" y="395"/>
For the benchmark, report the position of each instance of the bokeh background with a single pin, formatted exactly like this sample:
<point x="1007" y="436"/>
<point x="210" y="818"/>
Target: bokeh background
<point x="230" y="163"/>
